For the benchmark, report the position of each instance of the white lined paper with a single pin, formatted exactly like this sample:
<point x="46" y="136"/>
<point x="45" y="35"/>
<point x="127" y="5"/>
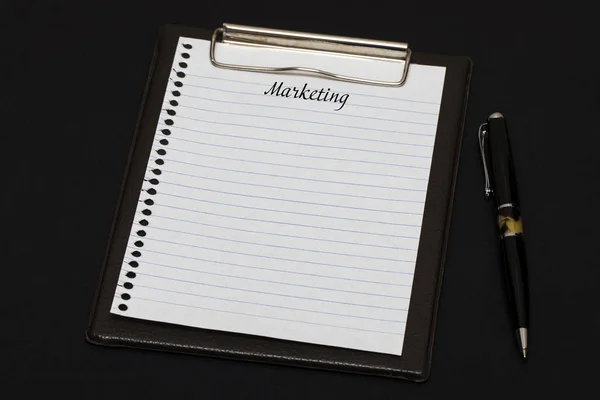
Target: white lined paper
<point x="282" y="217"/>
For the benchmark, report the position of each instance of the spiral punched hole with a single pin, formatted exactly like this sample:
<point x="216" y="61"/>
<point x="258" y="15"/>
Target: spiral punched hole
<point x="122" y="307"/>
<point x="130" y="275"/>
<point x="187" y="46"/>
<point x="183" y="65"/>
<point x="134" y="264"/>
<point x="128" y="285"/>
<point x="136" y="254"/>
<point x="169" y="121"/>
<point x="141" y="233"/>
<point x="156" y="171"/>
<point x="171" y="112"/>
<point x="178" y="84"/>
<point x="181" y="74"/>
<point x="125" y="296"/>
<point x="164" y="142"/>
<point x="149" y="202"/>
<point x="185" y="55"/>
<point x="159" y="161"/>
<point x="173" y="103"/>
<point x="144" y="222"/>
<point x="151" y="191"/>
<point x="161" y="152"/>
<point x="166" y="132"/>
<point x="139" y="243"/>
<point x="147" y="212"/>
<point x="176" y="93"/>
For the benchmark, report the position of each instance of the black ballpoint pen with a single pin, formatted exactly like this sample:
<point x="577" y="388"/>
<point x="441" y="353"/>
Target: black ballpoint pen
<point x="500" y="182"/>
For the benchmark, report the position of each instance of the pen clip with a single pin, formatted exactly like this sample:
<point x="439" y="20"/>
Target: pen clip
<point x="481" y="136"/>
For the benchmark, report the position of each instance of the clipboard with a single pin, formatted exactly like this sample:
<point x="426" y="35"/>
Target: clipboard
<point x="414" y="364"/>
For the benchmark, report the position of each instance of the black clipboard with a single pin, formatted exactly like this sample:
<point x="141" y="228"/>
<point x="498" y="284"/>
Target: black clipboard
<point x="414" y="364"/>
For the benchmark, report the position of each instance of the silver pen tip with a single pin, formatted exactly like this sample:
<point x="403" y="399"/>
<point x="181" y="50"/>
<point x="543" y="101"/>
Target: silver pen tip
<point x="524" y="351"/>
<point x="496" y="115"/>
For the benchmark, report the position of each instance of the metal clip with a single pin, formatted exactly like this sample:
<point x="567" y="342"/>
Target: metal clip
<point x="481" y="135"/>
<point x="280" y="39"/>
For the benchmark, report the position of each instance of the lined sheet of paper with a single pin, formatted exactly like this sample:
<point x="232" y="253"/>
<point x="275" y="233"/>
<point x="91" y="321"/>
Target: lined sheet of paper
<point x="284" y="206"/>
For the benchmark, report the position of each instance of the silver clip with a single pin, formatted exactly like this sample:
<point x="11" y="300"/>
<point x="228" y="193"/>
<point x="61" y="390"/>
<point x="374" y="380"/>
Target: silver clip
<point x="481" y="135"/>
<point x="280" y="39"/>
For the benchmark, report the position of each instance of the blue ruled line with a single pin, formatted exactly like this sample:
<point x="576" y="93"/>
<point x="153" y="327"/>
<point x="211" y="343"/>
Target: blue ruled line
<point x="272" y="294"/>
<point x="286" y="212"/>
<point x="256" y="255"/>
<point x="279" y="234"/>
<point x="263" y="269"/>
<point x="280" y="153"/>
<point x="288" y="284"/>
<point x="288" y="165"/>
<point x="283" y="223"/>
<point x="294" y="177"/>
<point x="278" y="246"/>
<point x="292" y="131"/>
<point x="305" y="190"/>
<point x="319" y="123"/>
<point x="264" y="316"/>
<point x="273" y="258"/>
<point x="335" y="136"/>
<point x="271" y="305"/>
<point x="275" y="198"/>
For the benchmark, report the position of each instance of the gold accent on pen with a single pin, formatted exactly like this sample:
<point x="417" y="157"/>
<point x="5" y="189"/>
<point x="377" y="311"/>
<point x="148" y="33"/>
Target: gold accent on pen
<point x="510" y="225"/>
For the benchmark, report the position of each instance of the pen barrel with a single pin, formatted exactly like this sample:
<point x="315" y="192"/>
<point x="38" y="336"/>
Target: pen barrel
<point x="504" y="179"/>
<point x="514" y="260"/>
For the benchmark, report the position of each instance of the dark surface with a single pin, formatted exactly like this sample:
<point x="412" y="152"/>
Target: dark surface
<point x="73" y="76"/>
<point x="415" y="363"/>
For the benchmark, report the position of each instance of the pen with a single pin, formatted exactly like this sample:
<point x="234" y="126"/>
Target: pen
<point x="500" y="182"/>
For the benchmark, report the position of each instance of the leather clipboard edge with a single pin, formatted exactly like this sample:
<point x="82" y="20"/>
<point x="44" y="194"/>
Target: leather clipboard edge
<point x="459" y="143"/>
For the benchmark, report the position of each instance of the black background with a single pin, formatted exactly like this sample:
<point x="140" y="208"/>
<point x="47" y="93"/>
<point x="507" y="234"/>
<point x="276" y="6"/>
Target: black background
<point x="72" y="79"/>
